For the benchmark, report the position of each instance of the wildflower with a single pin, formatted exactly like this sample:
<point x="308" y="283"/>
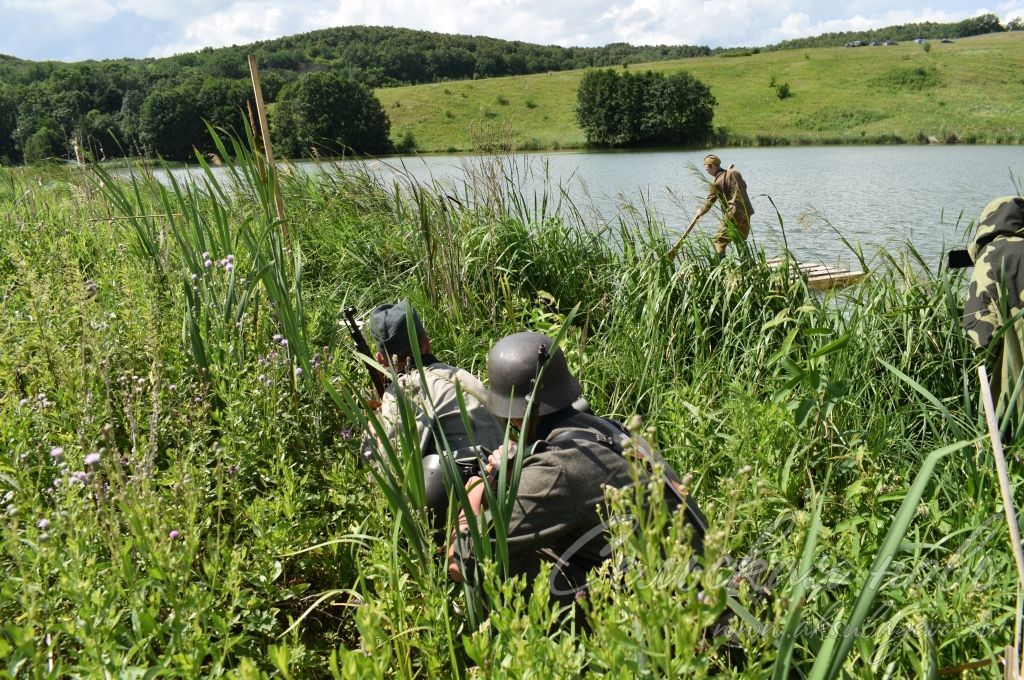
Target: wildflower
<point x="277" y="337"/>
<point x="57" y="482"/>
<point x="228" y="267"/>
<point x="284" y="342"/>
<point x="23" y="402"/>
<point x="43" y="524"/>
<point x="298" y="371"/>
<point x="172" y="387"/>
<point x="206" y="255"/>
<point x="207" y="263"/>
<point x="232" y="470"/>
<point x="173" y="535"/>
<point x="57" y="452"/>
<point x="230" y="259"/>
<point x="79" y="477"/>
<point x="92" y="458"/>
<point x="346" y="433"/>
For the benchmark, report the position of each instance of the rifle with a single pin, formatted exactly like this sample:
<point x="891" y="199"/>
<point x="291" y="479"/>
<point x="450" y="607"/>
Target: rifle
<point x="379" y="384"/>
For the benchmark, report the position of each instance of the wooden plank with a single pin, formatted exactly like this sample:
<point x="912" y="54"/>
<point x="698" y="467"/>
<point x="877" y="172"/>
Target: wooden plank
<point x="819" y="276"/>
<point x="834" y="280"/>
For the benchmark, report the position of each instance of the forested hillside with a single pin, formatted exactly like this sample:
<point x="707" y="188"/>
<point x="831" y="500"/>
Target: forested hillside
<point x="156" y="107"/>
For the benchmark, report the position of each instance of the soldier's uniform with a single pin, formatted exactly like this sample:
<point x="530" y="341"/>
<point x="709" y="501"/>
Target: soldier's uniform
<point x="994" y="295"/>
<point x="443" y="427"/>
<point x="729" y="190"/>
<point x="570" y="459"/>
<point x="439" y="419"/>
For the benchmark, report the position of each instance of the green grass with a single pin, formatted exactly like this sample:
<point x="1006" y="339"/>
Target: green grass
<point x="824" y="435"/>
<point x="967" y="91"/>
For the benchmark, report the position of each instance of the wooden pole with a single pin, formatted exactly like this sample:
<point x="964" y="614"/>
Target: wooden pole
<point x="1012" y="652"/>
<point x="268" y="150"/>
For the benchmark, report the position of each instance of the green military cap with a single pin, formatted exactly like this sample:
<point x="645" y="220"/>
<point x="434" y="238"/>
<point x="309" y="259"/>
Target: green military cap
<point x="389" y="328"/>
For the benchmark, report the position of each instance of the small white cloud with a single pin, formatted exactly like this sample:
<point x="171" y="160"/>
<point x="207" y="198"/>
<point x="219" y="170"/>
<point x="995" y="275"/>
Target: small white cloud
<point x="240" y="24"/>
<point x="64" y="12"/>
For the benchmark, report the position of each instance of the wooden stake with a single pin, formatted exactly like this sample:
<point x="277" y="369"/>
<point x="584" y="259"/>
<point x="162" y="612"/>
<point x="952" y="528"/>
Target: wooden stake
<point x="268" y="150"/>
<point x="1012" y="651"/>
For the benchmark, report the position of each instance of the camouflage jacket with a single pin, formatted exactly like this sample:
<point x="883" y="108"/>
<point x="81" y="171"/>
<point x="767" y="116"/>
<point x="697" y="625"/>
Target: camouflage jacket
<point x="998" y="255"/>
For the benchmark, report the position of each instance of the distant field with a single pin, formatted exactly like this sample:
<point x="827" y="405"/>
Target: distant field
<point x="967" y="91"/>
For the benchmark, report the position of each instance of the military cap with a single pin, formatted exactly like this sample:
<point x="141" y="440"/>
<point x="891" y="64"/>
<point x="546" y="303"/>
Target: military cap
<point x="712" y="159"/>
<point x="389" y="328"/>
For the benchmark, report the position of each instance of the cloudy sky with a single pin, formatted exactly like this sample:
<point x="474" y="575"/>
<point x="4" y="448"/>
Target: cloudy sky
<point x="71" y="30"/>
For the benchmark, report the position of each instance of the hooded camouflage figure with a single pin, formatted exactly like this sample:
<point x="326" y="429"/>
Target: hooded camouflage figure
<point x="995" y="292"/>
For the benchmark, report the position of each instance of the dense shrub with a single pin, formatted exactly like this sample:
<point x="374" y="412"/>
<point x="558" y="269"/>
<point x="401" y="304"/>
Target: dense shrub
<point x="325" y="114"/>
<point x="645" y="108"/>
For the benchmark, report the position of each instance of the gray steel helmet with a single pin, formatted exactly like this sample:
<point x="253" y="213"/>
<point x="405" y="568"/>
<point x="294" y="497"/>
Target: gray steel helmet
<point x="513" y="366"/>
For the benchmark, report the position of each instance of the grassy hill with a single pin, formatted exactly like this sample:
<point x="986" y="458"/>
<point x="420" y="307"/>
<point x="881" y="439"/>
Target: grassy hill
<point x="966" y="91"/>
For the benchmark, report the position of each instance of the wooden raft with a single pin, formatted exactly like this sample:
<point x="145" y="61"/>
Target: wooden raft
<point x="820" y="277"/>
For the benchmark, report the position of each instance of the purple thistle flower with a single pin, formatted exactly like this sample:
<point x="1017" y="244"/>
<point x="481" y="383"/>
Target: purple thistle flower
<point x="277" y="337"/>
<point x="79" y="477"/>
<point x="230" y="258"/>
<point x="284" y="342"/>
<point x="207" y="263"/>
<point x="228" y="267"/>
<point x="92" y="458"/>
<point x="173" y="535"/>
<point x="44" y="524"/>
<point x="57" y="452"/>
<point x="298" y="371"/>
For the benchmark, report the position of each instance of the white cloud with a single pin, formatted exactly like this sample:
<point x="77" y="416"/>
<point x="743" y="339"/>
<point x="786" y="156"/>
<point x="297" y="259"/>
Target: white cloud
<point x="239" y="24"/>
<point x="65" y="12"/>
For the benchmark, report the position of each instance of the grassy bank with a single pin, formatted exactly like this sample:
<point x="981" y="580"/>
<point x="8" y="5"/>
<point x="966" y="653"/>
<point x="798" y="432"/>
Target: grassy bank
<point x="180" y="431"/>
<point x="965" y="91"/>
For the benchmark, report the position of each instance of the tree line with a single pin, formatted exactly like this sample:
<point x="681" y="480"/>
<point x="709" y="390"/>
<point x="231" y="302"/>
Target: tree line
<point x="930" y="30"/>
<point x="149" y="107"/>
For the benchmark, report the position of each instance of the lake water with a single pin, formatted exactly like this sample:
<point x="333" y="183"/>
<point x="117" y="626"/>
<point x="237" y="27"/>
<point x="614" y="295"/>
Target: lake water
<point x="879" y="196"/>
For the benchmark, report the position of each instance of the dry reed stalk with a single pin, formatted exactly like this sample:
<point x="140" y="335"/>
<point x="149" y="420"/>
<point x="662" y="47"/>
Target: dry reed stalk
<point x="268" y="149"/>
<point x="1013" y="661"/>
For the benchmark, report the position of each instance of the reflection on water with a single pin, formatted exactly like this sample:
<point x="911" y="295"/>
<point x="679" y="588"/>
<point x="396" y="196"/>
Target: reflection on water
<point x="877" y="196"/>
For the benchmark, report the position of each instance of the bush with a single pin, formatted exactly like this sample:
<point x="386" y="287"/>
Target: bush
<point x="44" y="145"/>
<point x="645" y="108"/>
<point x="407" y="144"/>
<point x="782" y="90"/>
<point x="323" y="111"/>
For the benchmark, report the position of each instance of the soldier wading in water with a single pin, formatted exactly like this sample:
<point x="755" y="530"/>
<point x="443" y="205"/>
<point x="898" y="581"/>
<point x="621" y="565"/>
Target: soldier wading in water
<point x="727" y="188"/>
